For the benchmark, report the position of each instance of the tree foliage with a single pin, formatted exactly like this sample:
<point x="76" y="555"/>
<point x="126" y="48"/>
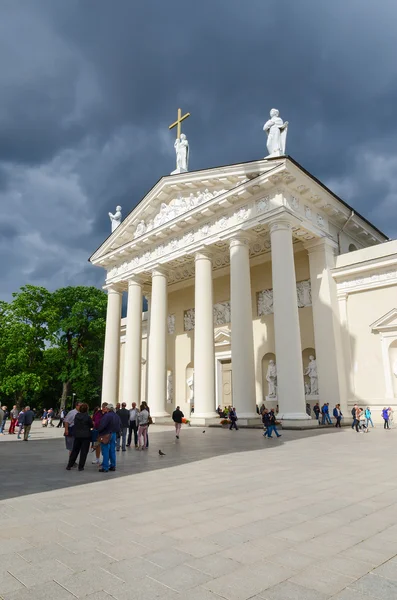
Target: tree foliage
<point x="52" y="344"/>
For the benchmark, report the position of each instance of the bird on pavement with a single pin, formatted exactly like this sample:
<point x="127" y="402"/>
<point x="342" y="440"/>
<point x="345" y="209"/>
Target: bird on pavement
<point x="161" y="453"/>
<point x="203" y="430"/>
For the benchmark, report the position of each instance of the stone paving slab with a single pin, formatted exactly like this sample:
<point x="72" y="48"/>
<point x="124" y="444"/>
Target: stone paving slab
<point x="223" y="515"/>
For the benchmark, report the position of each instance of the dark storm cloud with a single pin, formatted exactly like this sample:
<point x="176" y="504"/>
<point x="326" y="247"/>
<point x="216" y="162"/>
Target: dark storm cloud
<point x="87" y="90"/>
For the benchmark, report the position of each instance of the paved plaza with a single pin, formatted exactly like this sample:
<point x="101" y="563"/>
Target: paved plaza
<point x="231" y="515"/>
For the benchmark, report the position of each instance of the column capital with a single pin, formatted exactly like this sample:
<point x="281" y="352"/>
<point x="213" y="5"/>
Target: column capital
<point x="240" y="239"/>
<point x="135" y="280"/>
<point x="320" y="244"/>
<point x="159" y="271"/>
<point x="283" y="223"/>
<point x="113" y="288"/>
<point x="203" y="253"/>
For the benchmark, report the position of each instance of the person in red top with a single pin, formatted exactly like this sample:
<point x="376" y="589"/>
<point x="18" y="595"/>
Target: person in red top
<point x="96" y="419"/>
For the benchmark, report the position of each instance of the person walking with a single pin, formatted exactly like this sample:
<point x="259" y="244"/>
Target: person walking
<point x="359" y="414"/>
<point x="317" y="411"/>
<point x="368" y="416"/>
<point x="50" y="417"/>
<point x="27" y="419"/>
<point x="143" y="420"/>
<point x="133" y="425"/>
<point x="14" y="414"/>
<point x="385" y="415"/>
<point x="107" y="432"/>
<point x="96" y="419"/>
<point x="3" y="420"/>
<point x="391" y="416"/>
<point x="272" y="427"/>
<point x="266" y="422"/>
<point x="20" y="424"/>
<point x="354" y="410"/>
<point x="124" y="416"/>
<point x="326" y="417"/>
<point x="233" y="418"/>
<point x="177" y="417"/>
<point x="82" y="437"/>
<point x="69" y="427"/>
<point x="337" y="413"/>
<point x="61" y="418"/>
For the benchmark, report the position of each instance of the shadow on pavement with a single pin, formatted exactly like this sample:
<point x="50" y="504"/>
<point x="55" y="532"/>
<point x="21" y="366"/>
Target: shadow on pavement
<point x="39" y="466"/>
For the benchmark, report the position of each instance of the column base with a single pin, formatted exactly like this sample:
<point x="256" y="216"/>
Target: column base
<point x="199" y="419"/>
<point x="297" y="421"/>
<point x="160" y="417"/>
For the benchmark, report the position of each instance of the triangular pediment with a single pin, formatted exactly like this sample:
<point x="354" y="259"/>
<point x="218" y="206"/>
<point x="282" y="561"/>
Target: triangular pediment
<point x="177" y="200"/>
<point x="386" y="323"/>
<point x="223" y="337"/>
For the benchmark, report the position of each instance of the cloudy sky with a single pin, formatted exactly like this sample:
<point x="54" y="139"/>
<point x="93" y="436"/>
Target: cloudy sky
<point x="89" y="87"/>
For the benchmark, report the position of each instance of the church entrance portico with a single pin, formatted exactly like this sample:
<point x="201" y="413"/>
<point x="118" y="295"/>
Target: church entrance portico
<point x="238" y="262"/>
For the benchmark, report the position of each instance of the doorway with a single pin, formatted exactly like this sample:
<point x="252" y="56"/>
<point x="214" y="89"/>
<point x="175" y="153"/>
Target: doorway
<point x="227" y="393"/>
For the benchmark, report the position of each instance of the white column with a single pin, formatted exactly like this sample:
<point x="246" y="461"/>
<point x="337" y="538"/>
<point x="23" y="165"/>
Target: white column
<point x="332" y="381"/>
<point x="111" y="357"/>
<point x="290" y="384"/>
<point x="204" y="351"/>
<point x="157" y="363"/>
<point x="133" y="344"/>
<point x="243" y="362"/>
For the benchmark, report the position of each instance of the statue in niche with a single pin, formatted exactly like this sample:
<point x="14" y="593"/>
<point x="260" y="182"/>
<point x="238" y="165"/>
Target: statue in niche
<point x="170" y="387"/>
<point x="276" y="131"/>
<point x="190" y="384"/>
<point x="311" y="372"/>
<point x="182" y="153"/>
<point x="395" y="368"/>
<point x="271" y="378"/>
<point x="116" y="218"/>
<point x="307" y="389"/>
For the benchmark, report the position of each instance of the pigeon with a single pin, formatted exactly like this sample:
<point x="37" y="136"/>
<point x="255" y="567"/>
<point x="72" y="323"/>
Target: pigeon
<point x="203" y="430"/>
<point x="161" y="453"/>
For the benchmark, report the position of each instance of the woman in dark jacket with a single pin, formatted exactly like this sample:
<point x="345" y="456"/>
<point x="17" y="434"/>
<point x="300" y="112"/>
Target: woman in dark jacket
<point x="82" y="437"/>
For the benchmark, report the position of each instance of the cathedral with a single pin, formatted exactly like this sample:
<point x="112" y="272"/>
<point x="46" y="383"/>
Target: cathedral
<point x="262" y="287"/>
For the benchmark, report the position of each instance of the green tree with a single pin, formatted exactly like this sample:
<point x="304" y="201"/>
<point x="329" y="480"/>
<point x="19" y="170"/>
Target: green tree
<point x="77" y="328"/>
<point x="23" y="336"/>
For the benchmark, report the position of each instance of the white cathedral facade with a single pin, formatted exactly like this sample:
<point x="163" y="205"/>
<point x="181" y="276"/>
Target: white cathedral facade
<point x="263" y="287"/>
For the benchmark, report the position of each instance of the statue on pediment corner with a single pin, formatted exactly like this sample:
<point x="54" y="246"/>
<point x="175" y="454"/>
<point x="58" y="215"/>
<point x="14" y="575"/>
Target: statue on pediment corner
<point x="276" y="131"/>
<point x="116" y="218"/>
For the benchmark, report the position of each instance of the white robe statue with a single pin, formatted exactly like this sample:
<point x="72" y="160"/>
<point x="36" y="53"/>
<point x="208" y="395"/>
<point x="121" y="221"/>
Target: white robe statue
<point x="271" y="378"/>
<point x="190" y="383"/>
<point x="276" y="131"/>
<point x="311" y="372"/>
<point x="182" y="154"/>
<point x="116" y="218"/>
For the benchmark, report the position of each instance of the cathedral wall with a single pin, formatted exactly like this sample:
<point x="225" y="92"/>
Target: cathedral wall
<point x="369" y="360"/>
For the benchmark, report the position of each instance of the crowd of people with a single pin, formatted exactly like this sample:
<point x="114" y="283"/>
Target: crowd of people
<point x="21" y="419"/>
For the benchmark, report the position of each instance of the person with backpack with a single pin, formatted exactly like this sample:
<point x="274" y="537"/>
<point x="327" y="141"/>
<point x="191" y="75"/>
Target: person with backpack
<point x="177" y="417"/>
<point x="272" y="426"/>
<point x="385" y="415"/>
<point x="233" y="419"/>
<point x="368" y="416"/>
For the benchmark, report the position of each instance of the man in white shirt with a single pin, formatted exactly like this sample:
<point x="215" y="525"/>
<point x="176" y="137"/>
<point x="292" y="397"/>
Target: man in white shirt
<point x="69" y="423"/>
<point x="133" y="425"/>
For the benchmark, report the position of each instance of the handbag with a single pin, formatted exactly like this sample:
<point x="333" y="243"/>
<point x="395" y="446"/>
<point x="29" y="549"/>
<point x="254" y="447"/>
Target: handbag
<point x="150" y="420"/>
<point x="105" y="438"/>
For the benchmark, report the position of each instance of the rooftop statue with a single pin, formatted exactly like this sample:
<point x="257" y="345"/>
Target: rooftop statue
<point x="276" y="131"/>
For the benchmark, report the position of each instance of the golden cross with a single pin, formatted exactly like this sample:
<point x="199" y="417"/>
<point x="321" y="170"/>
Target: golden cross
<point x="178" y="122"/>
